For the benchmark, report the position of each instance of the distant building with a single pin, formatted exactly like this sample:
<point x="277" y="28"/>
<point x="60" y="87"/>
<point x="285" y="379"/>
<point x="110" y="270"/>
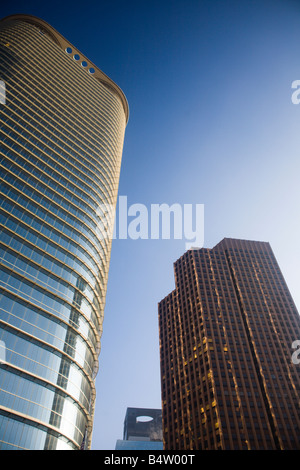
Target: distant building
<point x="142" y="430"/>
<point x="226" y="334"/>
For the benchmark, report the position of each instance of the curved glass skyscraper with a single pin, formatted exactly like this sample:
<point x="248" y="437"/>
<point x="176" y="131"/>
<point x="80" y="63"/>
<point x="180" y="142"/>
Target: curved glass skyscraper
<point x="62" y="130"/>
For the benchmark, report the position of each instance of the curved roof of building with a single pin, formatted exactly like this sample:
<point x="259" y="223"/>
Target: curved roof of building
<point x="62" y="42"/>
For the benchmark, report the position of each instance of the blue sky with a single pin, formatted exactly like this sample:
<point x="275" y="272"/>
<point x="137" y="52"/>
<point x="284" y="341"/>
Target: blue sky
<point x="211" y="122"/>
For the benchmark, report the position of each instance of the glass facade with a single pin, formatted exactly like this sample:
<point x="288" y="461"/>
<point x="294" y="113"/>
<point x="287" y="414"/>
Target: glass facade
<point x="62" y="132"/>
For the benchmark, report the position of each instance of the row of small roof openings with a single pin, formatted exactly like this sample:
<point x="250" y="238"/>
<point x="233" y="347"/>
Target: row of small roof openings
<point x="77" y="58"/>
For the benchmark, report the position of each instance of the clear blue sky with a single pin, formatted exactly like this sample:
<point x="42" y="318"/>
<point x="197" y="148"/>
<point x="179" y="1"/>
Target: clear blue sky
<point x="211" y="122"/>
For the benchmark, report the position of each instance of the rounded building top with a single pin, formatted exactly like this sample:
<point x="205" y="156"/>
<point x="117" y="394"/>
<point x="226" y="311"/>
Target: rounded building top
<point x="65" y="45"/>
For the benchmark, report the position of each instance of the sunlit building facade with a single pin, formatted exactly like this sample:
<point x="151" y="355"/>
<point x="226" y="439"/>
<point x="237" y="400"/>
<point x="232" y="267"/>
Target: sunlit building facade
<point x="226" y="333"/>
<point x="62" y="132"/>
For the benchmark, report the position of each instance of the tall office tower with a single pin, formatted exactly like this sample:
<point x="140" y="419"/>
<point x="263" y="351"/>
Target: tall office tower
<point x="62" y="132"/>
<point x="226" y="333"/>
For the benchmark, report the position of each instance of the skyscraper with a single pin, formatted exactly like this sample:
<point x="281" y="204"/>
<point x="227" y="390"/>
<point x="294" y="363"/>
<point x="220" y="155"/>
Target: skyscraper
<point x="226" y="333"/>
<point x="62" y="132"/>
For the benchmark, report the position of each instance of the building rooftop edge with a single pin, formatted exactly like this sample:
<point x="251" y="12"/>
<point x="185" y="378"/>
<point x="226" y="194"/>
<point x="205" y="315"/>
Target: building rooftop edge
<point x="221" y="243"/>
<point x="63" y="43"/>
